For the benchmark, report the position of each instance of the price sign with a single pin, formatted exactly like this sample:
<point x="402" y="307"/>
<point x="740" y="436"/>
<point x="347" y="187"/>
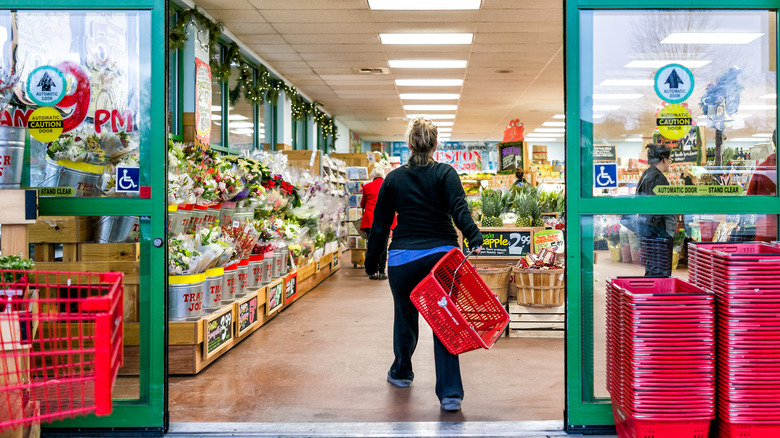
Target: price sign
<point x="291" y="288"/>
<point x="506" y="243"/>
<point x="275" y="297"/>
<point x="549" y="238"/>
<point x="247" y="315"/>
<point x="219" y="332"/>
<point x="335" y="262"/>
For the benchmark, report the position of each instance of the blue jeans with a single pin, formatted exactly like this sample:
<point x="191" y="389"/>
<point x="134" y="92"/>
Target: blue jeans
<point x="403" y="280"/>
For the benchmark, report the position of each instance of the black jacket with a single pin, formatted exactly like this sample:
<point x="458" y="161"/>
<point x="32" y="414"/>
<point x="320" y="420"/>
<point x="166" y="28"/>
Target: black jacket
<point x="427" y="199"/>
<point x="654" y="225"/>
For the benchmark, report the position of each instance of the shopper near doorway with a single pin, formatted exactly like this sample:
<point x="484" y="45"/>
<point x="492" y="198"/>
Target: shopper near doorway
<point x="762" y="183"/>
<point x="427" y="197"/>
<point x="657" y="229"/>
<point x="368" y="203"/>
<point x="519" y="174"/>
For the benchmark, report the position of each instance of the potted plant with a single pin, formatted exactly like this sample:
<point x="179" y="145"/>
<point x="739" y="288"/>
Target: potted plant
<point x="612" y="234"/>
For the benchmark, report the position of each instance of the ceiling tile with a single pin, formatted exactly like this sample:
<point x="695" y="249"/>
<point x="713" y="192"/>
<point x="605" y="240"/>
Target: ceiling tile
<point x="227" y="16"/>
<point x="316" y="16"/>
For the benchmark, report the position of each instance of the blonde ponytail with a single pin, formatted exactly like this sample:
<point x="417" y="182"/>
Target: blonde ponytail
<point x="423" y="136"/>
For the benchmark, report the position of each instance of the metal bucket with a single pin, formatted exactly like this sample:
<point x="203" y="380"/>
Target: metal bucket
<point x="84" y="177"/>
<point x="118" y="229"/>
<point x="185" y="297"/>
<point x="276" y="267"/>
<point x="229" y="283"/>
<point x="242" y="217"/>
<point x="243" y="278"/>
<point x="226" y="213"/>
<point x="183" y="218"/>
<point x="212" y="290"/>
<point x="212" y="214"/>
<point x="198" y="218"/>
<point x="11" y="156"/>
<point x="255" y="270"/>
<point x="265" y="272"/>
<point x="284" y="256"/>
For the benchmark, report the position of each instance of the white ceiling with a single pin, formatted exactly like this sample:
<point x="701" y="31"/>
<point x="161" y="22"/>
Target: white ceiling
<point x="515" y="63"/>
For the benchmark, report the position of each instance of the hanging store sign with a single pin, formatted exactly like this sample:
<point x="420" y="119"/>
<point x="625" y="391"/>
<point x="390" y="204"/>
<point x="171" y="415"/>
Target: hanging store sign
<point x="674" y="83"/>
<point x="462" y="160"/>
<point x="202" y="101"/>
<point x="674" y="121"/>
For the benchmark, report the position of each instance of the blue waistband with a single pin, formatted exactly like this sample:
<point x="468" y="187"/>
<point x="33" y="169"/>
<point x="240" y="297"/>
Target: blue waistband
<point x="398" y="257"/>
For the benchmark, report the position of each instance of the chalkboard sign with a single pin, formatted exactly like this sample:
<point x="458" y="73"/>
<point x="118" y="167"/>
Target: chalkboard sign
<point x="275" y="296"/>
<point x="604" y="153"/>
<point x="219" y="332"/>
<point x="506" y="243"/>
<point x="510" y="155"/>
<point x="684" y="150"/>
<point x="247" y="314"/>
<point x="335" y="262"/>
<point x="291" y="288"/>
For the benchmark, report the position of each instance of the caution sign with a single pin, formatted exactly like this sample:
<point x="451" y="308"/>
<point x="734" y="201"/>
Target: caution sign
<point x="698" y="190"/>
<point x="674" y="121"/>
<point x="46" y="85"/>
<point x="674" y="83"/>
<point x="45" y="124"/>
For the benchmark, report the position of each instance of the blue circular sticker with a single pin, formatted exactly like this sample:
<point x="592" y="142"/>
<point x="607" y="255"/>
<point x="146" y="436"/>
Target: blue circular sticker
<point x="46" y="85"/>
<point x="673" y="83"/>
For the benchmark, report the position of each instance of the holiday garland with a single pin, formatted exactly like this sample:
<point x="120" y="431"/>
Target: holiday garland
<point x="266" y="88"/>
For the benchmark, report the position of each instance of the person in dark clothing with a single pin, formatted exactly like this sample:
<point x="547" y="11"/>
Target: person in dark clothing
<point x="519" y="174"/>
<point x="656" y="226"/>
<point x="427" y="197"/>
<point x="368" y="203"/>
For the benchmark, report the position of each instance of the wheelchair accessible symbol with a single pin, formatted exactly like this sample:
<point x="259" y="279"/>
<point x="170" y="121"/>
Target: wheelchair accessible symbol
<point x="605" y="175"/>
<point x="128" y="179"/>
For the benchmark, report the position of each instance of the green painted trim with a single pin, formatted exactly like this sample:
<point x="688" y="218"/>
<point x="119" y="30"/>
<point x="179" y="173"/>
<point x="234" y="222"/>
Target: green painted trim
<point x="95" y="206"/>
<point x="675" y="4"/>
<point x="70" y="4"/>
<point x="681" y="205"/>
<point x="225" y="150"/>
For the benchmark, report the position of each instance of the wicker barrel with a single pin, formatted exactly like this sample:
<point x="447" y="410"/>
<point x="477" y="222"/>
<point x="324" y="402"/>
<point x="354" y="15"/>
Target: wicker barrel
<point x="539" y="287"/>
<point x="496" y="277"/>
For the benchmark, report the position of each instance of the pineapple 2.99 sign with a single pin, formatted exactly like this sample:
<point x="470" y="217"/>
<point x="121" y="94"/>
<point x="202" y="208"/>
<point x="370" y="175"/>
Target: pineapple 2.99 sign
<point x="510" y="243"/>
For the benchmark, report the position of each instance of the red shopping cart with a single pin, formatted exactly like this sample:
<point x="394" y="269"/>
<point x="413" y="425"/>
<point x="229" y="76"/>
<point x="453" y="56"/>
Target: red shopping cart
<point x="60" y="344"/>
<point x="461" y="310"/>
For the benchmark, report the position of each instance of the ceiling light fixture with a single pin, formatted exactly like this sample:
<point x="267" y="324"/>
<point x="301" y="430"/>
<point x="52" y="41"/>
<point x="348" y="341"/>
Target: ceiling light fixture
<point x="617" y="96"/>
<point x="546" y="134"/>
<point x="430" y="107"/>
<point x="765" y="135"/>
<point x="627" y="83"/>
<point x="658" y="63"/>
<point x="427" y="63"/>
<point x="605" y="107"/>
<point x="426" y="38"/>
<point x="430" y="96"/>
<point x="559" y="116"/>
<point x="444" y="123"/>
<point x="432" y="116"/>
<point x="444" y="130"/>
<point x="550" y="130"/>
<point x="429" y="5"/>
<point x="240" y="124"/>
<point x="634" y="139"/>
<point x="554" y="124"/>
<point x="429" y="82"/>
<point x="237" y="117"/>
<point x="598" y="116"/>
<point x="536" y="140"/>
<point x="711" y="38"/>
<point x="746" y="140"/>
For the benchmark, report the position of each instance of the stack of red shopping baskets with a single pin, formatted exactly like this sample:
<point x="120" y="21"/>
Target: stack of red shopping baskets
<point x="660" y="357"/>
<point x="746" y="281"/>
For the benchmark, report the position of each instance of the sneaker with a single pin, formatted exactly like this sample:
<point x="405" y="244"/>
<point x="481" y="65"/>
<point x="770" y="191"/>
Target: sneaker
<point x="382" y="276"/>
<point x="451" y="404"/>
<point x="401" y="383"/>
<point x="374" y="276"/>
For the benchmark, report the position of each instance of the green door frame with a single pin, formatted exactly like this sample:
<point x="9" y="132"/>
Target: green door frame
<point x="148" y="412"/>
<point x="585" y="413"/>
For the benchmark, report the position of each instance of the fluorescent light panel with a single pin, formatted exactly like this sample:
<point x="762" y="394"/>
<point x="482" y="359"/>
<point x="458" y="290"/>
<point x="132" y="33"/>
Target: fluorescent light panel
<point x="432" y="116"/>
<point x="559" y="116"/>
<point x="616" y="96"/>
<point x="765" y="135"/>
<point x="634" y="139"/>
<point x="426" y="38"/>
<point x="545" y="134"/>
<point x="658" y="63"/>
<point x="429" y="82"/>
<point x="237" y="117"/>
<point x="239" y="124"/>
<point x="445" y="129"/>
<point x="711" y="38"/>
<point x="550" y="130"/>
<point x="746" y="140"/>
<point x="554" y="124"/>
<point x="430" y="96"/>
<point x="427" y="63"/>
<point x="627" y="83"/>
<point x="605" y="107"/>
<point x="426" y="5"/>
<point x="535" y="139"/>
<point x="444" y="123"/>
<point x="430" y="107"/>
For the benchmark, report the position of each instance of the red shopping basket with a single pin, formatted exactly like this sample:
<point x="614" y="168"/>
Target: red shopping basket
<point x="60" y="344"/>
<point x="462" y="311"/>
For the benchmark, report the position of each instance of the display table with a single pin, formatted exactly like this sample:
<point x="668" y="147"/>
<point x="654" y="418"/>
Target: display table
<point x="193" y="345"/>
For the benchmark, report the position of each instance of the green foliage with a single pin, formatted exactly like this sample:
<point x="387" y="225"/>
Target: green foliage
<point x="14" y="263"/>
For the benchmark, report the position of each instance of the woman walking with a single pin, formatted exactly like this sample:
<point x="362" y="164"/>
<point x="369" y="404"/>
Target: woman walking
<point x="427" y="197"/>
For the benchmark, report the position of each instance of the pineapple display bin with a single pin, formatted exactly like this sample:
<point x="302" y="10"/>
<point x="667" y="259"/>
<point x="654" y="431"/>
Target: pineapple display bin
<point x="496" y="277"/>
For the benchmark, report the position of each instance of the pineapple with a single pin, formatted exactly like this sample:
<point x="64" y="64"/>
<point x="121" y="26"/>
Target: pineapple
<point x="522" y="204"/>
<point x="536" y="213"/>
<point x="491" y="209"/>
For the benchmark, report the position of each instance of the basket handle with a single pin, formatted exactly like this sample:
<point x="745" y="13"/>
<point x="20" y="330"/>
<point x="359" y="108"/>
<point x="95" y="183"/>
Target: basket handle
<point x="461" y="264"/>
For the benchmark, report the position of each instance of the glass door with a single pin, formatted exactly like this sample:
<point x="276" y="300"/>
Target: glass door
<point x="96" y="73"/>
<point x="672" y="124"/>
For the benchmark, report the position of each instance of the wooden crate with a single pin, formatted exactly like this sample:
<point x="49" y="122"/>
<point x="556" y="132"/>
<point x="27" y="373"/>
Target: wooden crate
<point x="61" y="229"/>
<point x="536" y="322"/>
<point x="302" y="160"/>
<point x="104" y="252"/>
<point x="305" y="271"/>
